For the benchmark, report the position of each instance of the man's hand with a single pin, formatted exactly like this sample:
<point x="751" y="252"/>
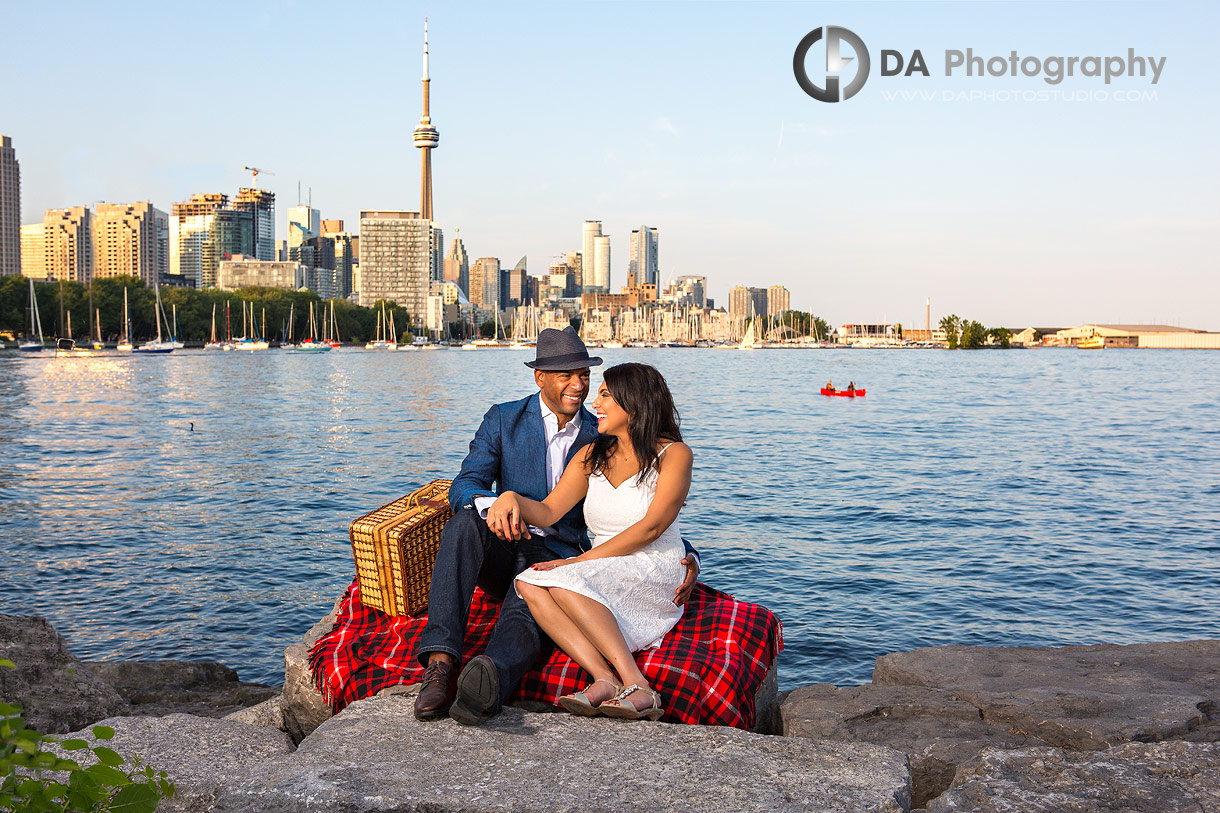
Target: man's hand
<point x="688" y="584"/>
<point x="504" y="518"/>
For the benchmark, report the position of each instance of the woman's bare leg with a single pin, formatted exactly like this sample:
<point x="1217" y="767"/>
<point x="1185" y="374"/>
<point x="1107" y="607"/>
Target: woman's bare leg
<point x="597" y="625"/>
<point x="555" y="622"/>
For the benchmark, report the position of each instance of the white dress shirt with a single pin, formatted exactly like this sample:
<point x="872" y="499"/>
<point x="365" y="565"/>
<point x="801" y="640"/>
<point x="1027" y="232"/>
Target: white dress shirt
<point x="558" y="444"/>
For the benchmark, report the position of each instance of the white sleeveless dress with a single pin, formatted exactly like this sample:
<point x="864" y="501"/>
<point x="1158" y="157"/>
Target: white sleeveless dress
<point x="638" y="588"/>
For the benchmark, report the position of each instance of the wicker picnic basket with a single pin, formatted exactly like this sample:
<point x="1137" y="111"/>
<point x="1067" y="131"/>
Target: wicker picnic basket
<point x="395" y="548"/>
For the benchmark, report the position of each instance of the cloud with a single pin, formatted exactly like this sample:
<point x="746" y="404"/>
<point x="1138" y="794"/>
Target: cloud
<point x="665" y="125"/>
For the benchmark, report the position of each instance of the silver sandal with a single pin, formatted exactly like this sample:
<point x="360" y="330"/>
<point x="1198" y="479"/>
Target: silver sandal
<point x="578" y="702"/>
<point x="628" y="711"/>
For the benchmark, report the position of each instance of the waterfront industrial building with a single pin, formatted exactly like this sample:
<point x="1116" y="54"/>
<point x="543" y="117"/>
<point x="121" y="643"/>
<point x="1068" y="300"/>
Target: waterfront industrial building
<point x="1163" y="337"/>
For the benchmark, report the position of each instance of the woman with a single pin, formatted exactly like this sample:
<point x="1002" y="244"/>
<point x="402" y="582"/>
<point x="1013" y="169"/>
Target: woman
<point x="616" y="598"/>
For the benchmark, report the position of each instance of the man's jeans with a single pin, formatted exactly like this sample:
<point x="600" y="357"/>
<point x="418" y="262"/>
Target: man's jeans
<point x="469" y="555"/>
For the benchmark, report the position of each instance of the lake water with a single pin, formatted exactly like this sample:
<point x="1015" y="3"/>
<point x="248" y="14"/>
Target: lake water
<point x="1038" y="497"/>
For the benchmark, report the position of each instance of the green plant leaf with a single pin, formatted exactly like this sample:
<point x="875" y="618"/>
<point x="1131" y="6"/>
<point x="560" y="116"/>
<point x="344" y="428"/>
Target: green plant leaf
<point x="73" y="745"/>
<point x="108" y="757"/>
<point x="103" y="732"/>
<point x="55" y="790"/>
<point x="167" y="787"/>
<point x="8" y="663"/>
<point x="65" y="765"/>
<point x="45" y="759"/>
<point x="8" y="709"/>
<point x="105" y="775"/>
<point x="135" y="799"/>
<point x="81" y="799"/>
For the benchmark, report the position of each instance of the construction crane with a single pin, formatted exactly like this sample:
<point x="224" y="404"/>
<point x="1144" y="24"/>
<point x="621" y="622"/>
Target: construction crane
<point x="254" y="172"/>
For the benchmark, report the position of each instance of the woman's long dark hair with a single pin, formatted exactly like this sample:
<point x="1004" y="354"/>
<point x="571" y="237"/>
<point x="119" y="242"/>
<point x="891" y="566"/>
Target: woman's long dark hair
<point x="651" y="415"/>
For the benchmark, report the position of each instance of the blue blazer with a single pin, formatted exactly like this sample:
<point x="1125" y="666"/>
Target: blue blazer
<point x="508" y="453"/>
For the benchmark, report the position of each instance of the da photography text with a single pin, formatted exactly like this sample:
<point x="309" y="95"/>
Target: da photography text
<point x="828" y="86"/>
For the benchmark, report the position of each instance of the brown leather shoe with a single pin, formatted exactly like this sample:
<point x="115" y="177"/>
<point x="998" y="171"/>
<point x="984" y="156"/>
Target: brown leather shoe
<point x="437" y="691"/>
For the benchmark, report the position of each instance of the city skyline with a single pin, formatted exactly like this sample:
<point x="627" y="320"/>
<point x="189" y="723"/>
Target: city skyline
<point x="1050" y="213"/>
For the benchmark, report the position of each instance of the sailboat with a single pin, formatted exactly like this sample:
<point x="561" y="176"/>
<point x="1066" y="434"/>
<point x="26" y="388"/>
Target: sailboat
<point x="30" y="345"/>
<point x="213" y="344"/>
<point x="174" y="341"/>
<point x="312" y="345"/>
<point x="158" y="347"/>
<point x="286" y="343"/>
<point x="97" y="320"/>
<point x="332" y="338"/>
<point x="124" y="345"/>
<point x="382" y="341"/>
<point x="254" y="341"/>
<point x="750" y="340"/>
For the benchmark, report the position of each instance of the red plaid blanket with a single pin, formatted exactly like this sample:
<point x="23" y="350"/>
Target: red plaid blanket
<point x="707" y="669"/>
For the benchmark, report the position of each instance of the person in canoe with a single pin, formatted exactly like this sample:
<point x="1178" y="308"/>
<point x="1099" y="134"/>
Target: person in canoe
<point x="851" y="386"/>
<point x="829" y="386"/>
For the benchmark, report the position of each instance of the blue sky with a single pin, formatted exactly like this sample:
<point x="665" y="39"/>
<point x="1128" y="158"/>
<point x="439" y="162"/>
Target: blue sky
<point x="684" y="116"/>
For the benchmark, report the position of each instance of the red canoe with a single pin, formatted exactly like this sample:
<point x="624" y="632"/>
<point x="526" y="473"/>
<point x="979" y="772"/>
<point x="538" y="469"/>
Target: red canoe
<point x="844" y="393"/>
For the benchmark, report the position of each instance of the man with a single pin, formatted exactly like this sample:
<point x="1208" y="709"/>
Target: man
<point x="521" y="446"/>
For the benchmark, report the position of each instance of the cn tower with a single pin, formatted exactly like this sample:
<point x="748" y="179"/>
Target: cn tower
<point x="426" y="138"/>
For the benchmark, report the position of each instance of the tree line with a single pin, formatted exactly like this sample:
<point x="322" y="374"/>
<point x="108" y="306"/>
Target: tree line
<point x="59" y="303"/>
<point x="969" y="334"/>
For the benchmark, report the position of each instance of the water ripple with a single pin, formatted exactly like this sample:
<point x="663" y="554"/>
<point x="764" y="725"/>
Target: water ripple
<point x="1021" y="498"/>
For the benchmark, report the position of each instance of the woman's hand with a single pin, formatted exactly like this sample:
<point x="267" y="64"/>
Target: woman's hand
<point x="551" y="565"/>
<point x="504" y="517"/>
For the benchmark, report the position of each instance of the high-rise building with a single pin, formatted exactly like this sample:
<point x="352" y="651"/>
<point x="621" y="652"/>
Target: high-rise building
<point x="747" y="302"/>
<point x="10" y="209"/>
<point x="589" y="282"/>
<point x="518" y="285"/>
<point x="345" y="259"/>
<point x="688" y="291"/>
<point x="303" y="222"/>
<point x="426" y="139"/>
<point x="643" y="260"/>
<point x="601" y="263"/>
<point x="457" y="265"/>
<point x="127" y="241"/>
<point x="778" y="300"/>
<point x="34" y="250"/>
<point x="485" y="283"/>
<point x="68" y="241"/>
<point x="261" y="204"/>
<point x="330" y="227"/>
<point x="562" y="277"/>
<point x="396" y="260"/>
<point x="203" y="230"/>
<point x="436" y="271"/>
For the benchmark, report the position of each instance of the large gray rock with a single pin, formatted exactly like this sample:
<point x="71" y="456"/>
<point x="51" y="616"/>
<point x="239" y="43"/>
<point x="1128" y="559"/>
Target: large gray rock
<point x="268" y="714"/>
<point x="202" y="688"/>
<point x="1085" y="697"/>
<point x="767" y="718"/>
<point x="56" y="690"/>
<point x="1164" y="776"/>
<point x="202" y="755"/>
<point x="937" y="730"/>
<point x="377" y="757"/>
<point x="301" y="703"/>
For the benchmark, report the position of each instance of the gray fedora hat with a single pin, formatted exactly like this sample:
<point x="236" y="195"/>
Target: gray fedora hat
<point x="561" y="350"/>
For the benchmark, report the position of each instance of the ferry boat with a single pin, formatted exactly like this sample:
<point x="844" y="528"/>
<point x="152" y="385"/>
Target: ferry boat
<point x="1093" y="342"/>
